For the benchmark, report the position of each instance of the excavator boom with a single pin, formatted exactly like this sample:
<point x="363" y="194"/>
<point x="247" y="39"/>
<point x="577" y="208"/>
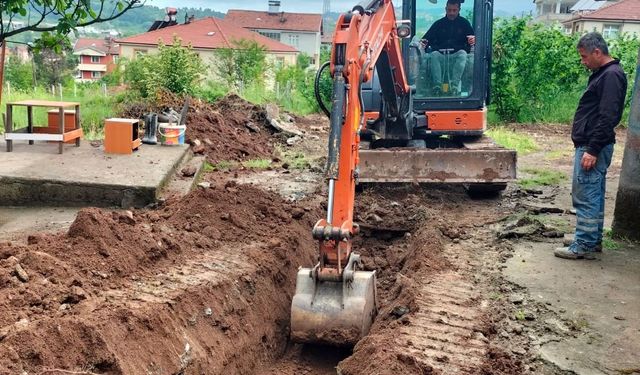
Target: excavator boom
<point x="430" y="134"/>
<point x="335" y="302"/>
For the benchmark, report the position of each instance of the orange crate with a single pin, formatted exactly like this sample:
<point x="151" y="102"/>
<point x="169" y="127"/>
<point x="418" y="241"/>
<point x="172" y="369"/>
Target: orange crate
<point x="53" y="122"/>
<point x="121" y="135"/>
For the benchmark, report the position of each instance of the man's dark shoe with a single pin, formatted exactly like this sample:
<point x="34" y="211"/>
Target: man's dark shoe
<point x="574" y="252"/>
<point x="571" y="253"/>
<point x="567" y="241"/>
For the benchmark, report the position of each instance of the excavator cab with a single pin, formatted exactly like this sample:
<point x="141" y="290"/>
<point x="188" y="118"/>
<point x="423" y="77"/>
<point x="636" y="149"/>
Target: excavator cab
<point x="442" y="71"/>
<point x="451" y="84"/>
<point x="400" y="112"/>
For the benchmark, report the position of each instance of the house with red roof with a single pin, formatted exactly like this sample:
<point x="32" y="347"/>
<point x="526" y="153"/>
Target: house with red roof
<point x="20" y="51"/>
<point x="302" y="31"/>
<point x="610" y="20"/>
<point x="97" y="57"/>
<point x="205" y="36"/>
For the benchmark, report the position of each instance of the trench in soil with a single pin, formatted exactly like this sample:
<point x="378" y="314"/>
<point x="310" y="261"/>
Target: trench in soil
<point x="203" y="284"/>
<point x="180" y="290"/>
<point x="433" y="317"/>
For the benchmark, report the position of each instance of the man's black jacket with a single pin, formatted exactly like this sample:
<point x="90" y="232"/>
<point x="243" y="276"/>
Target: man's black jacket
<point x="600" y="108"/>
<point x="445" y="33"/>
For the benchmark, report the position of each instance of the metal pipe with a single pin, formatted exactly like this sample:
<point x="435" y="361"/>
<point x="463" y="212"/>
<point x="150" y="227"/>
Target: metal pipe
<point x="332" y="188"/>
<point x="336" y="121"/>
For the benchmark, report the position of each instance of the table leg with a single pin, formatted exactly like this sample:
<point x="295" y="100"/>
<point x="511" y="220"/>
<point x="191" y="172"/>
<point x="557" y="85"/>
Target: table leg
<point x="78" y="124"/>
<point x="30" y="122"/>
<point x="61" y="130"/>
<point x="8" y="126"/>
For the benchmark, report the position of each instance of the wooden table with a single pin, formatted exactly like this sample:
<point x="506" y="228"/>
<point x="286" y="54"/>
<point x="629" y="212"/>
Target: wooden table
<point x="27" y="133"/>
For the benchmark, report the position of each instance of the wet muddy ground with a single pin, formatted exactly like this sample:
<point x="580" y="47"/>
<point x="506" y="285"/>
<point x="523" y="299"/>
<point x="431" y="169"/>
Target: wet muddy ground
<point x="202" y="284"/>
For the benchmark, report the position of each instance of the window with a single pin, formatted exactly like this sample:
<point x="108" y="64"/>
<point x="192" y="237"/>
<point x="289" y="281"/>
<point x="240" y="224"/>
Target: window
<point x="294" y="40"/>
<point x="96" y="74"/>
<point x="271" y="35"/>
<point x="115" y="59"/>
<point x="139" y="52"/>
<point x="95" y="59"/>
<point x="441" y="61"/>
<point x="610" y="31"/>
<point x="279" y="62"/>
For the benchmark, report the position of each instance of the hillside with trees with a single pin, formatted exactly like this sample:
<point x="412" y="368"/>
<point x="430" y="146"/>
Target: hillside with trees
<point x="134" y="21"/>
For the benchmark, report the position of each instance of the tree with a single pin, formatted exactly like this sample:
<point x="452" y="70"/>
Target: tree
<point x="19" y="73"/>
<point x="175" y="68"/>
<point x="62" y="16"/>
<point x="54" y="68"/>
<point x="245" y="63"/>
<point x="55" y="19"/>
<point x="626" y="220"/>
<point x="116" y="76"/>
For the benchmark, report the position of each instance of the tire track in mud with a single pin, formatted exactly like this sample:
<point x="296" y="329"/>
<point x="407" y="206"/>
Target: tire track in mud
<point x="220" y="267"/>
<point x="435" y="316"/>
<point x="445" y="326"/>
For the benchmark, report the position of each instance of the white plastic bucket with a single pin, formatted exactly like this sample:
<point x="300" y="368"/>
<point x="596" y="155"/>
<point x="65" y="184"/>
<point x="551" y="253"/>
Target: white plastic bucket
<point x="171" y="134"/>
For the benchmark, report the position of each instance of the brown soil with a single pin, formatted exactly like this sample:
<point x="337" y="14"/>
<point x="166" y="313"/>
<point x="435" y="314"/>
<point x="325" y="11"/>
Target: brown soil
<point x="156" y="291"/>
<point x="203" y="284"/>
<point x="430" y="320"/>
<point x="231" y="129"/>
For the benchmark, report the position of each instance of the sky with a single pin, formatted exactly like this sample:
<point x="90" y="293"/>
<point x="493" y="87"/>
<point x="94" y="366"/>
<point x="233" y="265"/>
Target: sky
<point x="312" y="6"/>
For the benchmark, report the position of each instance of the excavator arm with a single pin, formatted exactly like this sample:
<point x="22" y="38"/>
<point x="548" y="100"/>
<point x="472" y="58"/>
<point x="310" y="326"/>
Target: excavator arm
<point x="365" y="39"/>
<point x="334" y="301"/>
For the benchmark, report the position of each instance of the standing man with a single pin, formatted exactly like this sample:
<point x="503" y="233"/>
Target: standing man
<point x="599" y="112"/>
<point x="449" y="37"/>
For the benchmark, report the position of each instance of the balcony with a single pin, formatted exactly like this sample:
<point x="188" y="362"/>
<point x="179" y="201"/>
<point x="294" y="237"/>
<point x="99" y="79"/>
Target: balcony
<point x="92" y="67"/>
<point x="553" y="17"/>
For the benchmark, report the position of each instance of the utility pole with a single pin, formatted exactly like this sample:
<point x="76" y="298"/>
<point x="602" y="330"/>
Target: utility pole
<point x="3" y="49"/>
<point x="326" y="9"/>
<point x="626" y="217"/>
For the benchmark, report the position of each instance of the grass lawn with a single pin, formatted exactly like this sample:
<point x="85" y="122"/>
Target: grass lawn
<point x="94" y="107"/>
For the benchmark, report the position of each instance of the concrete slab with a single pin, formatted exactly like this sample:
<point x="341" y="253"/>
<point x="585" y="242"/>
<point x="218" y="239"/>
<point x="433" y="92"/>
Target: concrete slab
<point x="85" y="175"/>
<point x="601" y="296"/>
<point x="16" y="223"/>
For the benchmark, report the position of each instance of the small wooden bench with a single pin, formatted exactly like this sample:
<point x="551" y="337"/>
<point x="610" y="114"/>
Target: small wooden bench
<point x="40" y="133"/>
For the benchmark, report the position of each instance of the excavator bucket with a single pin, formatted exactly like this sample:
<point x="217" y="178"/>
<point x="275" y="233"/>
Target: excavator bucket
<point x="333" y="312"/>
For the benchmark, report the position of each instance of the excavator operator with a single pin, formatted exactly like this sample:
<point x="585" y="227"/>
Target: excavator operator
<point x="447" y="43"/>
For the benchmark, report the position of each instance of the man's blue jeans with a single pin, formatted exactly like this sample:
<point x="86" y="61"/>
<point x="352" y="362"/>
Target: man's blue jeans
<point x="455" y="62"/>
<point x="588" y="198"/>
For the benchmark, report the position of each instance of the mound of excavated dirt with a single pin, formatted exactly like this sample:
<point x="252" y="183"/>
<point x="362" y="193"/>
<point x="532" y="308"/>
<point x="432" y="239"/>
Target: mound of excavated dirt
<point x="231" y="129"/>
<point x="201" y="285"/>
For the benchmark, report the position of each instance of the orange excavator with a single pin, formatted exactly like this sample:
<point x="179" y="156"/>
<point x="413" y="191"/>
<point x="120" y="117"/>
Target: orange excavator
<point x="400" y="112"/>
